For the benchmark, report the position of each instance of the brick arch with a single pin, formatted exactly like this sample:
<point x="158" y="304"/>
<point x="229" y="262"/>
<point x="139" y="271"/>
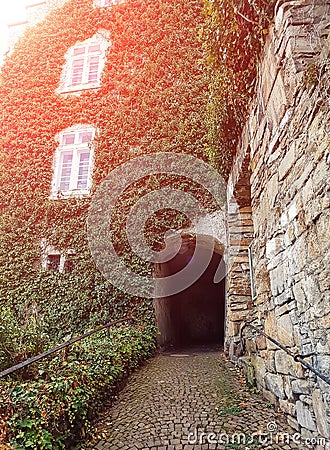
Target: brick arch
<point x="239" y="302"/>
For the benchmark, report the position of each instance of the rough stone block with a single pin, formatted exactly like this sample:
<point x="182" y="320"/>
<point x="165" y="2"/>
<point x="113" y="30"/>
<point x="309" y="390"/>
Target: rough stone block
<point x="314" y="247"/>
<point x="300" y="296"/>
<point x="236" y="316"/>
<point x="293" y="211"/>
<point x="275" y="385"/>
<point x="288" y="388"/>
<point x="269" y="358"/>
<point x="281" y="362"/>
<point x="269" y="396"/>
<point x="248" y="369"/>
<point x="293" y="423"/>
<point x="261" y="342"/>
<point x="297" y="336"/>
<point x="271" y="190"/>
<point x="313" y="210"/>
<point x="320" y="412"/>
<point x="323" y="346"/>
<point x="323" y="230"/>
<point x="300" y="224"/>
<point x="285" y="364"/>
<point x="323" y="363"/>
<point x="250" y="346"/>
<point x="320" y="309"/>
<point x="304" y="417"/>
<point x="278" y="277"/>
<point x="287" y="407"/>
<point x="290" y="235"/>
<point x="277" y="102"/>
<point x="285" y="307"/>
<point x="307" y="435"/>
<point x="300" y="387"/>
<point x="324" y="278"/>
<point x="281" y="301"/>
<point x="287" y="163"/>
<point x="307" y="192"/>
<point x="262" y="280"/>
<point x="271" y="326"/>
<point x="259" y="370"/>
<point x="284" y="219"/>
<point x="285" y="331"/>
<point x="274" y="246"/>
<point x="268" y="71"/>
<point x="299" y="253"/>
<point x="294" y="318"/>
<point x="305" y="172"/>
<point x="321" y="173"/>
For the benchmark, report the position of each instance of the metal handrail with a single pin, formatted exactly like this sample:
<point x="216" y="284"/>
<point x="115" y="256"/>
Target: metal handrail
<point x="297" y="357"/>
<point x="61" y="346"/>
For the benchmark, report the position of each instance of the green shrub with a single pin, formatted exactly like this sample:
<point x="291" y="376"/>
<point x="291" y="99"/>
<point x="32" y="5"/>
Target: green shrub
<point x="19" y="339"/>
<point x="54" y="409"/>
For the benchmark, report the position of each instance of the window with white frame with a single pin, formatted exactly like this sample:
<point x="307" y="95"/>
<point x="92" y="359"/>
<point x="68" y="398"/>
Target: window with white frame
<point x="84" y="64"/>
<point x="105" y="3"/>
<point x="73" y="162"/>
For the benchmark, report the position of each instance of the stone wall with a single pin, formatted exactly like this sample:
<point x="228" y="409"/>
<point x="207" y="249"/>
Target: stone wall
<point x="287" y="145"/>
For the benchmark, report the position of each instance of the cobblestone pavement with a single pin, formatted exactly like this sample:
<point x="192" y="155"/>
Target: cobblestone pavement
<point x="171" y="401"/>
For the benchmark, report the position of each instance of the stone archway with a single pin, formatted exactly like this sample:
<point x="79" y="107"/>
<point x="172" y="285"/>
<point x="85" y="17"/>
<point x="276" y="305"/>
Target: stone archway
<point x="195" y="316"/>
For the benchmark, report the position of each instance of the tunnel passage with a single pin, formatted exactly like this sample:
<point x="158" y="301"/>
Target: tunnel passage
<point x="196" y="315"/>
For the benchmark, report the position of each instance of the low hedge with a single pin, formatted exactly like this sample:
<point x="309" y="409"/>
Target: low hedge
<point x="54" y="407"/>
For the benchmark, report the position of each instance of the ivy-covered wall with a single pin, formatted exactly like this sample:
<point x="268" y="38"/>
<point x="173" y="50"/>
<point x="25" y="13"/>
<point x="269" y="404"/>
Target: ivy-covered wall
<point x="153" y="97"/>
<point x="178" y="77"/>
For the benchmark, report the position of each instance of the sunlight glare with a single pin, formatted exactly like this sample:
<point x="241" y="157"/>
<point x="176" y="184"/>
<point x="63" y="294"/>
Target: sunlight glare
<point x="11" y="12"/>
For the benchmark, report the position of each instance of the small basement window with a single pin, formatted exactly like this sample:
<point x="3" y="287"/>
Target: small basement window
<point x="53" y="262"/>
<point x="52" y="259"/>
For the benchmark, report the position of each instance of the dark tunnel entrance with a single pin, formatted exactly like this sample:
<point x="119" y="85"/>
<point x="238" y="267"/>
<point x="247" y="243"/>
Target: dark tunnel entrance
<point x="196" y="315"/>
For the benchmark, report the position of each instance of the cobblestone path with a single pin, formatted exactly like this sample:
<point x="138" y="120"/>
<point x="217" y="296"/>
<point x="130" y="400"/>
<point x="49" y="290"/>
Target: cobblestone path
<point x="192" y="401"/>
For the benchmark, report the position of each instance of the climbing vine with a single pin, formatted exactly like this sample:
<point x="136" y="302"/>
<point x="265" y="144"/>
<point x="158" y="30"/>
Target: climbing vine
<point x="233" y="35"/>
<point x="152" y="96"/>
